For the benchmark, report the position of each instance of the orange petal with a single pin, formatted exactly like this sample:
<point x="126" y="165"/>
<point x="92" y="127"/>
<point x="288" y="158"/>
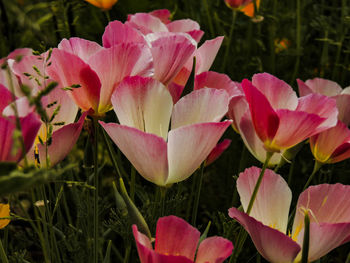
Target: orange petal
<point x="4" y="212"/>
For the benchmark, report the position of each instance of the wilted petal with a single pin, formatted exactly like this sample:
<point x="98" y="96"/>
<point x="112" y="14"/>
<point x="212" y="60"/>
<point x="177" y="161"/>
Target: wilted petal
<point x="189" y="146"/>
<point x="324" y="144"/>
<point x="204" y="105"/>
<point x="214" y="250"/>
<point x="143" y="103"/>
<point x="272" y="244"/>
<point x="322" y="106"/>
<point x="68" y="69"/>
<point x="279" y="94"/>
<point x="175" y="236"/>
<point x="265" y="119"/>
<point x="147" y="152"/>
<point x="80" y="47"/>
<point x="170" y="53"/>
<point x="117" y="62"/>
<point x="117" y="32"/>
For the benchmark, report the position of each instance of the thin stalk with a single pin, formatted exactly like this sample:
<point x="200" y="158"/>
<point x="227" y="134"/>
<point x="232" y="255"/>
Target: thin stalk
<point x="298" y="41"/>
<point x="290" y="173"/>
<point x="96" y="223"/>
<point x="108" y="15"/>
<point x="234" y="16"/>
<point x="111" y="153"/>
<point x="272" y="37"/>
<point x="210" y="21"/>
<point x="190" y="198"/>
<point x="163" y="191"/>
<point x="317" y="167"/>
<point x="306" y="241"/>
<point x="127" y="253"/>
<point x="132" y="183"/>
<point x="348" y="258"/>
<point x="2" y="253"/>
<point x="198" y="193"/>
<point x="258" y="183"/>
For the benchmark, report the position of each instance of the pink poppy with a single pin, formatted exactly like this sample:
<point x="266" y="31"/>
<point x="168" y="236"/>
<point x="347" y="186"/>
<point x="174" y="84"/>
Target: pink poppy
<point x="177" y="241"/>
<point x="144" y="107"/>
<point x="267" y="222"/>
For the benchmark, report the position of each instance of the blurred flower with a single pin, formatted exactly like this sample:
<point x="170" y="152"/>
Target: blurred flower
<point x="103" y="4"/>
<point x="271" y="118"/>
<point x="4" y="212"/>
<point x="267" y="223"/>
<point x="177" y="241"/>
<point x="244" y="6"/>
<point x="281" y="44"/>
<point x="144" y="107"/>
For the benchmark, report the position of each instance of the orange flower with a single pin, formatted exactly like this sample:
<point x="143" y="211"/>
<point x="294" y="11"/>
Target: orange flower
<point x="248" y="10"/>
<point x="281" y="44"/>
<point x="4" y="212"/>
<point x="103" y="4"/>
<point x="244" y="6"/>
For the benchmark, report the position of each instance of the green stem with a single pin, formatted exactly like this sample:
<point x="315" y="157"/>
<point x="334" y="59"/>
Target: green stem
<point x="272" y="38"/>
<point x="210" y="21"/>
<point x="317" y="167"/>
<point x="96" y="220"/>
<point x="348" y="258"/>
<point x="234" y="16"/>
<point x="298" y="41"/>
<point x="290" y="173"/>
<point x="258" y="183"/>
<point x="132" y="183"/>
<point x="198" y="193"/>
<point x="305" y="250"/>
<point x="111" y="153"/>
<point x="3" y="254"/>
<point x="163" y="191"/>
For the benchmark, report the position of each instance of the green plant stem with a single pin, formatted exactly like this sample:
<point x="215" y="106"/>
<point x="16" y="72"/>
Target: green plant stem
<point x="133" y="183"/>
<point x="317" y="167"/>
<point x="163" y="191"/>
<point x="348" y="258"/>
<point x="290" y="172"/>
<point x="272" y="36"/>
<point x="306" y="240"/>
<point x="96" y="219"/>
<point x="3" y="253"/>
<point x="198" y="193"/>
<point x="258" y="183"/>
<point x="298" y="41"/>
<point x="210" y="21"/>
<point x="234" y="16"/>
<point x="111" y="153"/>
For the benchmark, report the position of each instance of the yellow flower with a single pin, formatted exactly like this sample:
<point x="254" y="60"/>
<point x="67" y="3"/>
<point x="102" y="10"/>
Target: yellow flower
<point x="4" y="212"/>
<point x="103" y="4"/>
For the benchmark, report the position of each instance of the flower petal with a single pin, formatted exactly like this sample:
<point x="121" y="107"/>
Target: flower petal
<point x="143" y="103"/>
<point x="4" y="212"/>
<point x="80" y="47"/>
<point x="265" y="119"/>
<point x="117" y="62"/>
<point x="186" y="26"/>
<point x="343" y="105"/>
<point x="170" y="53"/>
<point x="272" y="244"/>
<point x="204" y="105"/>
<point x="214" y="250"/>
<point x="117" y="32"/>
<point x="146" y="23"/>
<point x="147" y="152"/>
<point x="189" y="146"/>
<point x="279" y="94"/>
<point x="162" y="14"/>
<point x="217" y="151"/>
<point x="273" y="200"/>
<point x="175" y="236"/>
<point x="68" y="70"/>
<point x="5" y="98"/>
<point x="303" y="88"/>
<point x="324" y="86"/>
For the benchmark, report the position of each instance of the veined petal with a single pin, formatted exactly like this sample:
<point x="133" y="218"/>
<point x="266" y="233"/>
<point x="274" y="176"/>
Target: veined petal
<point x="186" y="26"/>
<point x="175" y="236"/>
<point x="68" y="69"/>
<point x="117" y="62"/>
<point x="271" y="206"/>
<point x="294" y="127"/>
<point x="252" y="141"/>
<point x="238" y="107"/>
<point x="147" y="152"/>
<point x="170" y="53"/>
<point x="325" y="143"/>
<point x="265" y="119"/>
<point x="116" y="32"/>
<point x="143" y="103"/>
<point x="148" y="255"/>
<point x="272" y="244"/>
<point x="5" y="98"/>
<point x="146" y="23"/>
<point x="80" y="47"/>
<point x="322" y="106"/>
<point x="324" y="86"/>
<point x="343" y="105"/>
<point x="189" y="146"/>
<point x="211" y="79"/>
<point x="204" y="105"/>
<point x="279" y="94"/>
<point x="214" y="250"/>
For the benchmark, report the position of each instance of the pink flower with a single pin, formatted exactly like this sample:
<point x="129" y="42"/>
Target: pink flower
<point x="144" y="107"/>
<point x="177" y="241"/>
<point x="10" y="149"/>
<point x="271" y="118"/>
<point x="98" y="70"/>
<point x="267" y="222"/>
